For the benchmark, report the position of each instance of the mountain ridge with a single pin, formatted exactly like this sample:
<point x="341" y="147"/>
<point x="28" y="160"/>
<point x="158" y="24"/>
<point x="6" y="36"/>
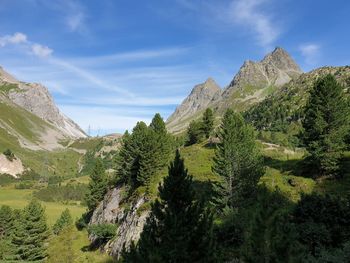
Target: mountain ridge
<point x="252" y="83"/>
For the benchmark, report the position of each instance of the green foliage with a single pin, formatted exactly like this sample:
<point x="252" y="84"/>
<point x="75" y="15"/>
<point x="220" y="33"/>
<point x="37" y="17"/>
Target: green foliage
<point x="195" y="132"/>
<point x="326" y="124"/>
<point x="30" y="233"/>
<point x="178" y="229"/>
<point x="9" y="155"/>
<point x="237" y="161"/>
<point x="208" y="122"/>
<point x="98" y="185"/>
<point x="65" y="220"/>
<point x="61" y="247"/>
<point x="143" y="153"/>
<point x="103" y="232"/>
<point x="323" y="222"/>
<point x="69" y="192"/>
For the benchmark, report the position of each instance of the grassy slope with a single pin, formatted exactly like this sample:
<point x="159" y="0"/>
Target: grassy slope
<point x="282" y="171"/>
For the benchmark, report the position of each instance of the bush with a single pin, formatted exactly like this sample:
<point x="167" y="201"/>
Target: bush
<point x="104" y="232"/>
<point x="6" y="179"/>
<point x="9" y="155"/>
<point x="24" y="185"/>
<point x="83" y="221"/>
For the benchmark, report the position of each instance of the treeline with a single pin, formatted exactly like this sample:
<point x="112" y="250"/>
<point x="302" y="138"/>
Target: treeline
<point x="63" y="193"/>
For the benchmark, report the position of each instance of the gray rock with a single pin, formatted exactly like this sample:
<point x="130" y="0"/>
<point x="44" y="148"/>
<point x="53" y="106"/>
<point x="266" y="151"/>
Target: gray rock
<point x="130" y="221"/>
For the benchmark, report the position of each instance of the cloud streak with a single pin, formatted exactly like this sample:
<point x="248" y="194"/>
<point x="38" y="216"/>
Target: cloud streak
<point x="310" y="52"/>
<point x="249" y="14"/>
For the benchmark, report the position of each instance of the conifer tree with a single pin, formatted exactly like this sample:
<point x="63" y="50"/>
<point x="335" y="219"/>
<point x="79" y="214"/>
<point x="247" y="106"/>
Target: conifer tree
<point x="98" y="185"/>
<point x="326" y="124"/>
<point x="237" y="160"/>
<point x="61" y="247"/>
<point x="178" y="229"/>
<point x="124" y="159"/>
<point x="62" y="222"/>
<point x="195" y="132"/>
<point x="208" y="122"/>
<point x="31" y="233"/>
<point x="163" y="141"/>
<point x="6" y="228"/>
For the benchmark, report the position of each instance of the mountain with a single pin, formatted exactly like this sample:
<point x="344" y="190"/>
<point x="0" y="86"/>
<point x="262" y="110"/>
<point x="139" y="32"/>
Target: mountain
<point x="253" y="82"/>
<point x="200" y="98"/>
<point x="30" y="114"/>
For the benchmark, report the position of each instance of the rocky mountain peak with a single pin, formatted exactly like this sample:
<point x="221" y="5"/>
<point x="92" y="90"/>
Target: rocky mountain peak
<point x="37" y="99"/>
<point x="199" y="99"/>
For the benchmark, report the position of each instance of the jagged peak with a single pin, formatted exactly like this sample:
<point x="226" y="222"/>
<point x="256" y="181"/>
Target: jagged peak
<point x="281" y="59"/>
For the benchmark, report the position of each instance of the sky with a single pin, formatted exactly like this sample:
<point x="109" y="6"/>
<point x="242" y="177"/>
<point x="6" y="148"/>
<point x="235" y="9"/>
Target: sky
<point x="111" y="63"/>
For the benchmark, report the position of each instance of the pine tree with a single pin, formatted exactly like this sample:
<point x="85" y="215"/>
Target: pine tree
<point x="124" y="160"/>
<point x="6" y="221"/>
<point x="65" y="220"/>
<point x="98" y="185"/>
<point x="162" y="140"/>
<point x="237" y="160"/>
<point x="208" y="122"/>
<point x="178" y="229"/>
<point x="195" y="132"/>
<point x="31" y="233"/>
<point x="326" y="124"/>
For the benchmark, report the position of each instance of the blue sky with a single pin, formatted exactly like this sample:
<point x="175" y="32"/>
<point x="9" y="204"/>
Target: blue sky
<point x="110" y="63"/>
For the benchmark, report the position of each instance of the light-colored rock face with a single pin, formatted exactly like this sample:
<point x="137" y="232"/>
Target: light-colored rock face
<point x="14" y="167"/>
<point x="36" y="99"/>
<point x="202" y="95"/>
<point x="130" y="221"/>
<point x="274" y="70"/>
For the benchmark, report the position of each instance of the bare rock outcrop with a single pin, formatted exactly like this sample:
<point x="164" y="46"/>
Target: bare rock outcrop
<point x="129" y="218"/>
<point x="12" y="167"/>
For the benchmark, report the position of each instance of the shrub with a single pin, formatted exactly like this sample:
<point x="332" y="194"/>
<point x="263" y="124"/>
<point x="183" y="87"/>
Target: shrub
<point x="9" y="155"/>
<point x="104" y="232"/>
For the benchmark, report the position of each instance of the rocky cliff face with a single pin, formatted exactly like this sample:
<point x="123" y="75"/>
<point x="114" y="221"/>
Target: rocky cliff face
<point x="251" y="84"/>
<point x="130" y="220"/>
<point x="36" y="99"/>
<point x="201" y="96"/>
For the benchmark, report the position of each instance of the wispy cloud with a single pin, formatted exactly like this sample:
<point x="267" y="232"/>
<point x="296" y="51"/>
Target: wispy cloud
<point x="16" y="38"/>
<point x="249" y="14"/>
<point x="30" y="47"/>
<point x="76" y="22"/>
<point x="41" y="51"/>
<point x="310" y="52"/>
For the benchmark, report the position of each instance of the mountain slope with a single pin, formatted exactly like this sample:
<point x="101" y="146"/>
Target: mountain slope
<point x="36" y="99"/>
<point x="253" y="82"/>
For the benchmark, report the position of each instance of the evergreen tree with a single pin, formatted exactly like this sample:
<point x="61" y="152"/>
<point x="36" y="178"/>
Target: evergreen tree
<point x="98" y="185"/>
<point x="30" y="233"/>
<point x="195" y="132"/>
<point x="178" y="229"/>
<point x="237" y="160"/>
<point x="163" y="141"/>
<point x="326" y="124"/>
<point x="62" y="222"/>
<point x="208" y="122"/>
<point x="6" y="221"/>
<point x="124" y="159"/>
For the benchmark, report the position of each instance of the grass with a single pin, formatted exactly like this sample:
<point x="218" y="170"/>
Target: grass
<point x="17" y="199"/>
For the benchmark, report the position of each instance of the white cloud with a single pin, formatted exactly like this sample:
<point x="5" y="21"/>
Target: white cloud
<point x="76" y="22"/>
<point x="16" y="38"/>
<point x="248" y="13"/>
<point x="41" y="51"/>
<point x="311" y="52"/>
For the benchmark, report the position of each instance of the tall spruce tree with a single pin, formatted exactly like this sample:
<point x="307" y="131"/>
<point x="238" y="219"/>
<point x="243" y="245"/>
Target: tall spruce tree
<point x="163" y="141"/>
<point x="237" y="161"/>
<point x="178" y="229"/>
<point x="6" y="228"/>
<point x="326" y="124"/>
<point x="124" y="160"/>
<point x="30" y="233"/>
<point x="208" y="122"/>
<point x="195" y="132"/>
<point x="98" y="185"/>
